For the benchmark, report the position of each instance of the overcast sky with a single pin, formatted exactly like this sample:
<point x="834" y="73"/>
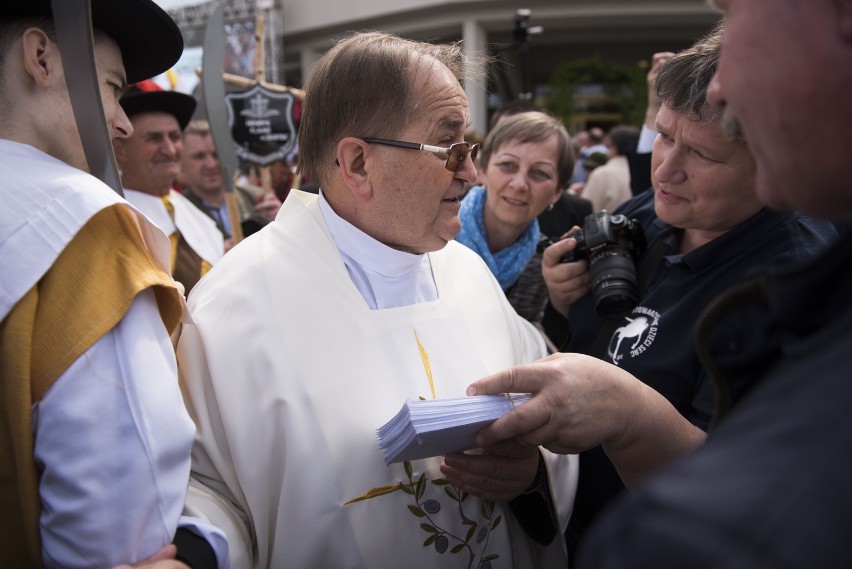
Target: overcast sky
<point x="169" y="4"/>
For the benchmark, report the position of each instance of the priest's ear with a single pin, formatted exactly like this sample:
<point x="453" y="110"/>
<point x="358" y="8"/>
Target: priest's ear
<point x="354" y="161"/>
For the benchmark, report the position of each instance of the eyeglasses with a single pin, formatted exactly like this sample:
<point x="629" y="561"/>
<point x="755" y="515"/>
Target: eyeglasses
<point x="456" y="154"/>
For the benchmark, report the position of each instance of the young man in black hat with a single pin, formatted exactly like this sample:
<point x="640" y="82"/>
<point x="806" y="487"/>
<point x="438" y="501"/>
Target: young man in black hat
<point x="150" y="161"/>
<point x="94" y="437"/>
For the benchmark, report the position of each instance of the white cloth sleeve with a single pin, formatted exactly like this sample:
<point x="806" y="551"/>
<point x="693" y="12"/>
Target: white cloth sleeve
<point x="646" y="140"/>
<point x="112" y="445"/>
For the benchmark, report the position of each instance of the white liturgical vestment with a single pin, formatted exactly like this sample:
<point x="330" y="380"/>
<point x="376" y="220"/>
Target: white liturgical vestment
<point x="197" y="228"/>
<point x="111" y="435"/>
<point x="288" y="374"/>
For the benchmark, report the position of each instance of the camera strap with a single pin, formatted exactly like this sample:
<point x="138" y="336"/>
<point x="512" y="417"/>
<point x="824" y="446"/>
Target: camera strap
<point x="643" y="272"/>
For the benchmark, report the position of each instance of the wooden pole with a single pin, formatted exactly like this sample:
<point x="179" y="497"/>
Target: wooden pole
<point x="259" y="48"/>
<point x="246" y="83"/>
<point x="234" y="216"/>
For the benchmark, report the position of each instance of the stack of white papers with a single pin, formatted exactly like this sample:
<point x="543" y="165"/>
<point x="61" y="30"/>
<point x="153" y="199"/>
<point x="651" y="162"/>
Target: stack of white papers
<point x="439" y="426"/>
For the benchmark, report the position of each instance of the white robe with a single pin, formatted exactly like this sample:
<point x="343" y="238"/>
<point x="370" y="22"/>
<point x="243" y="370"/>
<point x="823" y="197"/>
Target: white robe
<point x="197" y="228"/>
<point x="111" y="434"/>
<point x="288" y="373"/>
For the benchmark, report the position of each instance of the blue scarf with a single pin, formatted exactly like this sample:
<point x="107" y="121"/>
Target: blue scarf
<point x="507" y="264"/>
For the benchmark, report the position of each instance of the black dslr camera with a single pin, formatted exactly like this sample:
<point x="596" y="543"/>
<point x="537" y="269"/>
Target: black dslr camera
<point x="611" y="244"/>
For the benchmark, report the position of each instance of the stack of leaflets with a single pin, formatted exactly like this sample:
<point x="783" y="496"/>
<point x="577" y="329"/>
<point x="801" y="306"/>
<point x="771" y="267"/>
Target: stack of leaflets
<point x="439" y="426"/>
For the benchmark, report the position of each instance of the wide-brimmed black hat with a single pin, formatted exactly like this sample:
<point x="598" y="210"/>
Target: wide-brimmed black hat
<point x="147" y="96"/>
<point x="149" y="39"/>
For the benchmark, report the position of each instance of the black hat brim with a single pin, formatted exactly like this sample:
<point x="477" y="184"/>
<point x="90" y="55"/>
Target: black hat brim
<point x="149" y="40"/>
<point x="175" y="103"/>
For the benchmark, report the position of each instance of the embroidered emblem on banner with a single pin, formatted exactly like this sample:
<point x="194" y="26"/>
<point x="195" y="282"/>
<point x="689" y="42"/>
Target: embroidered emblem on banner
<point x="261" y="123"/>
<point x="635" y="336"/>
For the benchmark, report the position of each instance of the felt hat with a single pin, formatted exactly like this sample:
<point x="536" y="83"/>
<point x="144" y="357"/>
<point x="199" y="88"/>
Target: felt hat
<point x="147" y="96"/>
<point x="149" y="39"/>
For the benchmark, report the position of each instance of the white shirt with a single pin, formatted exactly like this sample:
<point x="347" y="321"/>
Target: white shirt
<point x="386" y="277"/>
<point x="646" y="140"/>
<point x="196" y="227"/>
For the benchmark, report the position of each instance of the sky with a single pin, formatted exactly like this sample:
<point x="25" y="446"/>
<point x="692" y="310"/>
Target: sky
<point x="171" y="4"/>
<point x="184" y="78"/>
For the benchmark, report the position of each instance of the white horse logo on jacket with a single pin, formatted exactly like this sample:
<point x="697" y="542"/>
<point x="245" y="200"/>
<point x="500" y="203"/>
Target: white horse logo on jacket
<point x="634" y="328"/>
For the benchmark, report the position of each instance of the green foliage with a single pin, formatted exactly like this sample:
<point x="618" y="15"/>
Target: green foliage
<point x="624" y="84"/>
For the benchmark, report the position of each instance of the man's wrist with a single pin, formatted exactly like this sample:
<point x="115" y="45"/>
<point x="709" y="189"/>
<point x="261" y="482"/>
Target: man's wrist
<point x="540" y="479"/>
<point x="534" y="508"/>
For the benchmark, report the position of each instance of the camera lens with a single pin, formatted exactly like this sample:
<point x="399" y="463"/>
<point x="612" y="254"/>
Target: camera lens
<point x="613" y="281"/>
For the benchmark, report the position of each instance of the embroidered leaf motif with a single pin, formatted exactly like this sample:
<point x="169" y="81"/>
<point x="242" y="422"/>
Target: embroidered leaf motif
<point x="442" y="537"/>
<point x="425" y="357"/>
<point x="378" y="491"/>
<point x="421" y="486"/>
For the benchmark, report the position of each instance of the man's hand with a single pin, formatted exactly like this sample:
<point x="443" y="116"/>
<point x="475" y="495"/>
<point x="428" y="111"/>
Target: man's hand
<point x="580" y="402"/>
<point x="501" y="473"/>
<point x="163" y="559"/>
<point x="566" y="282"/>
<point x="267" y="206"/>
<point x="576" y="188"/>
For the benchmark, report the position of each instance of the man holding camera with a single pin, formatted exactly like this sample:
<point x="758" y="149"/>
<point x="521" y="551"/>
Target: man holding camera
<point x="705" y="229"/>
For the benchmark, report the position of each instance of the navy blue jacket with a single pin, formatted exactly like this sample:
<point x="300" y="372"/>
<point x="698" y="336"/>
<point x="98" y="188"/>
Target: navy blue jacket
<point x="770" y="488"/>
<point x="655" y="342"/>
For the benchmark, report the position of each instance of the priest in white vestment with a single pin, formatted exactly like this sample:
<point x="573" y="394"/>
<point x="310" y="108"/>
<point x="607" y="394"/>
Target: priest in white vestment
<point x="313" y="332"/>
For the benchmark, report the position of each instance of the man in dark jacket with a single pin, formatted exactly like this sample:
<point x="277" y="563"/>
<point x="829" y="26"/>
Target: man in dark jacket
<point x="769" y="488"/>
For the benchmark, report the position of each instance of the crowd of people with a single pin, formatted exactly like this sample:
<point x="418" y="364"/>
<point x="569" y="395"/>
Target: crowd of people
<point x="172" y="398"/>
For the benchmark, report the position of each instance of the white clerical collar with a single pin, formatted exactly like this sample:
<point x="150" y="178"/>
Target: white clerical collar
<point x="386" y="277"/>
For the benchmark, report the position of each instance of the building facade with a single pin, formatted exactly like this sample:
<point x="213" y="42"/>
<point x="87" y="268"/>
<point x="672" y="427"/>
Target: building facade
<point x="625" y="31"/>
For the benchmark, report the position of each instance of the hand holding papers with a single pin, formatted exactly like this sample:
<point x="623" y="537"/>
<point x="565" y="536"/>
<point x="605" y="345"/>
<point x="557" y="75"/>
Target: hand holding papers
<point x="439" y="426"/>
